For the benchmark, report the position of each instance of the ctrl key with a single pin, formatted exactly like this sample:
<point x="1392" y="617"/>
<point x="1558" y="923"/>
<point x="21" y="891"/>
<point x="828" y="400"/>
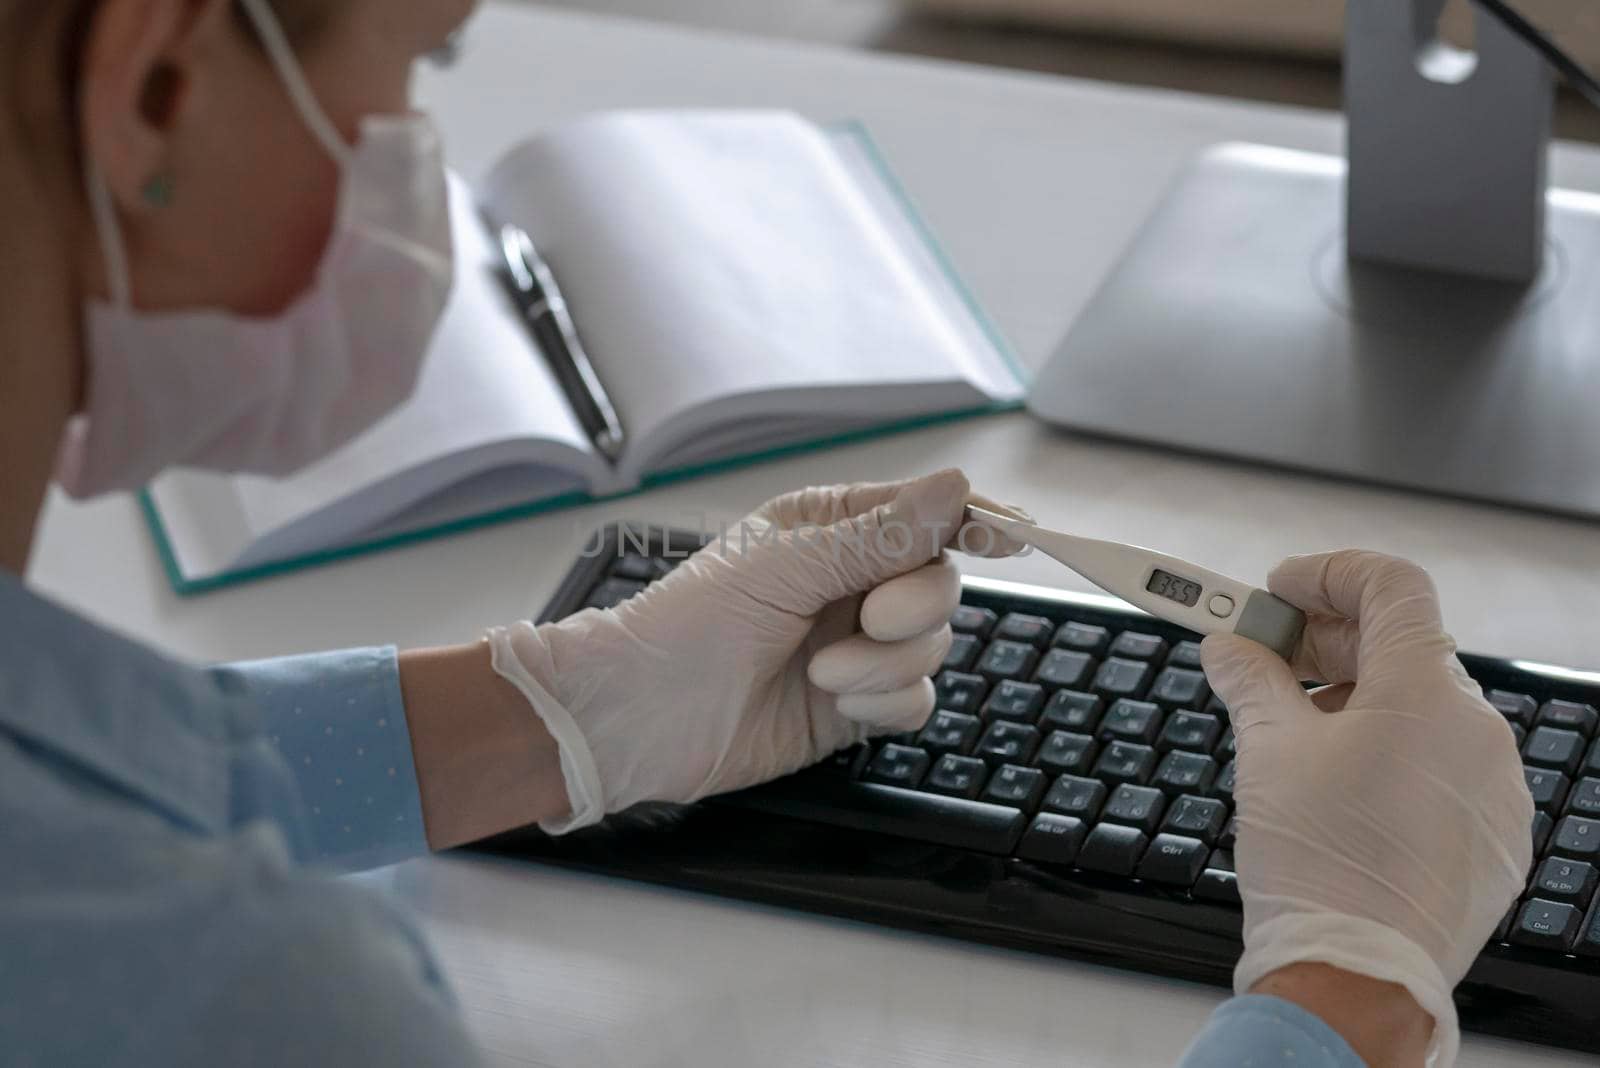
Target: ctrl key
<point x="1174" y="859"/>
<point x="1053" y="839"/>
<point x="1546" y="925"/>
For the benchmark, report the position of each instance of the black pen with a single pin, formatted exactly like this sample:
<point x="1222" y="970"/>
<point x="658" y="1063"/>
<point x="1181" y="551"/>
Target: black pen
<point x="534" y="288"/>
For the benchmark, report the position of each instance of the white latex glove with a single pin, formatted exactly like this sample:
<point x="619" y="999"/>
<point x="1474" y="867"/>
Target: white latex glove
<point x="1384" y="826"/>
<point x="700" y="684"/>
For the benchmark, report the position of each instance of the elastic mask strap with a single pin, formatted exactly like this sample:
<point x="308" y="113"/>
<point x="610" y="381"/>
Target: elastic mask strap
<point x="294" y="80"/>
<point x="111" y="246"/>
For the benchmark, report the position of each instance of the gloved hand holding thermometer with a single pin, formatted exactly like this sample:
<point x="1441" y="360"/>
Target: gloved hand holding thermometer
<point x="1384" y="821"/>
<point x="812" y="628"/>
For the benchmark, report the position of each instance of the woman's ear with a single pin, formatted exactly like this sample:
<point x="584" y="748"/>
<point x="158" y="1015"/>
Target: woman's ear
<point x="137" y="83"/>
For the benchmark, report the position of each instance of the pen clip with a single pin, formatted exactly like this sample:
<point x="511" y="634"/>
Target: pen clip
<point x="514" y="248"/>
<point x="529" y="275"/>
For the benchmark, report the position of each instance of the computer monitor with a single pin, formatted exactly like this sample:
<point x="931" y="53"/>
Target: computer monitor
<point x="1425" y="312"/>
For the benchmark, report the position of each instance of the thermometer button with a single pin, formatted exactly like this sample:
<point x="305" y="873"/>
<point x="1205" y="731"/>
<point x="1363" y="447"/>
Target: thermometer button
<point x="1221" y="606"/>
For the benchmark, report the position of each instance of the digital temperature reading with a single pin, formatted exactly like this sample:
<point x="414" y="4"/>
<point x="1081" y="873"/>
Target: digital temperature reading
<point x="1165" y="584"/>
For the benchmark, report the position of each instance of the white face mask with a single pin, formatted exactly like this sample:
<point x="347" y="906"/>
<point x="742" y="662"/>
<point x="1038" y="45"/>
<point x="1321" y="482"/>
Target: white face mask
<point x="212" y="389"/>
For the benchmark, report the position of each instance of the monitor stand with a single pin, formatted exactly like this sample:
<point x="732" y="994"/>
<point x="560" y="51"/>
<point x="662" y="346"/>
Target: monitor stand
<point x="1241" y="323"/>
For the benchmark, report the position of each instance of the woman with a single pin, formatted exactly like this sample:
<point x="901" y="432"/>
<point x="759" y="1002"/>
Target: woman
<point x="225" y="246"/>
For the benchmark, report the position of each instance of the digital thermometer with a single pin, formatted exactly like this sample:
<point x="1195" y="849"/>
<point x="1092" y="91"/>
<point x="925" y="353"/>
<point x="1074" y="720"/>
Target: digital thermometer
<point x="1166" y="587"/>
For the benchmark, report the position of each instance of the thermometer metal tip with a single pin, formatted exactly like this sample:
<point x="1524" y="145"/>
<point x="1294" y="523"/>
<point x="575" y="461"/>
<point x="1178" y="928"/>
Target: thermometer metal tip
<point x="1169" y="588"/>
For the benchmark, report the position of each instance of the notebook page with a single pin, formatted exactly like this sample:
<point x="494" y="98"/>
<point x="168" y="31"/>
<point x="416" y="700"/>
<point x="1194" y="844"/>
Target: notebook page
<point x="719" y="256"/>
<point x="485" y="398"/>
<point x="986" y="362"/>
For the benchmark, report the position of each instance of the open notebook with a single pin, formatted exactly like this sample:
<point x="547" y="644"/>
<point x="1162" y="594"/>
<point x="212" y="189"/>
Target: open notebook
<point x="745" y="282"/>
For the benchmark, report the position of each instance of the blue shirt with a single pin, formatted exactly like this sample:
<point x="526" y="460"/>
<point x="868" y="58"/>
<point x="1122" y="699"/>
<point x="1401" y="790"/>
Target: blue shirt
<point x="169" y="837"/>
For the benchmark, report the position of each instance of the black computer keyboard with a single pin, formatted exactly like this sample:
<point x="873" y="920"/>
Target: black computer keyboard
<point x="1073" y="795"/>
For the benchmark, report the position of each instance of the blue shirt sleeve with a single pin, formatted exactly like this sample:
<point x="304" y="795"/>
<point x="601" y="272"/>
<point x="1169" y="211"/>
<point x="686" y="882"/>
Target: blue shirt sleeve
<point x="154" y="821"/>
<point x="1256" y="1031"/>
<point x="339" y="723"/>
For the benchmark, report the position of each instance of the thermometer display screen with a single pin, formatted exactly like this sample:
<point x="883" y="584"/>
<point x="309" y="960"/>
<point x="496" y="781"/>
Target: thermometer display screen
<point x="1165" y="584"/>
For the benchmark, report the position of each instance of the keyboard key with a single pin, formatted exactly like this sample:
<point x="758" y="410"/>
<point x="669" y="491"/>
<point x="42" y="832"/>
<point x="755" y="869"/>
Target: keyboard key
<point x="633" y="566"/>
<point x="846" y="764"/>
<point x="1577" y="837"/>
<point x="1117" y="677"/>
<point x="1072" y="795"/>
<point x="950" y="732"/>
<point x="1542" y="826"/>
<point x="1185" y="655"/>
<point x="1184" y="773"/>
<point x="969" y="619"/>
<point x="1572" y="881"/>
<point x="964" y="649"/>
<point x="1065" y="668"/>
<point x="1520" y="733"/>
<point x="1222" y="785"/>
<point x="957" y="776"/>
<point x="1228" y="748"/>
<point x="1125" y="762"/>
<point x="1018" y="787"/>
<point x="1546" y="925"/>
<point x="1517" y="707"/>
<point x="1136" y="806"/>
<point x="1218" y="882"/>
<point x="1174" y="860"/>
<point x="1584" y="800"/>
<point x="1007" y="660"/>
<point x="1230" y="834"/>
<point x="1194" y="731"/>
<point x="898" y="765"/>
<point x="1031" y="630"/>
<point x="1083" y="638"/>
<point x="1013" y="700"/>
<point x="1131" y="721"/>
<point x="1007" y="743"/>
<point x="1065" y="753"/>
<point x="1549" y="788"/>
<point x="1180" y="688"/>
<point x="1552" y="747"/>
<point x="612" y="592"/>
<point x="957" y="691"/>
<point x="1053" y="839"/>
<point x="1568" y="715"/>
<point x="1068" y="710"/>
<point x="1112" y="848"/>
<point x="1588" y="944"/>
<point x="1591" y="764"/>
<point x="1215" y="707"/>
<point x="1136" y="646"/>
<point x="1196" y="817"/>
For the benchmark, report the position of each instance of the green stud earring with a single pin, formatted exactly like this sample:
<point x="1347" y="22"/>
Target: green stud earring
<point x="157" y="192"/>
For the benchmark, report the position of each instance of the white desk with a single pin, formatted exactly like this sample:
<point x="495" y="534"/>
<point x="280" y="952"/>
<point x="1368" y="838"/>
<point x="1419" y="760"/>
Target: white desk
<point x="1035" y="183"/>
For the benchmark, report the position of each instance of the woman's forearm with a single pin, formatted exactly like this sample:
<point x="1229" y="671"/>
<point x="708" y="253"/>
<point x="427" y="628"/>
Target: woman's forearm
<point x="485" y="762"/>
<point x="1381" y="1021"/>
